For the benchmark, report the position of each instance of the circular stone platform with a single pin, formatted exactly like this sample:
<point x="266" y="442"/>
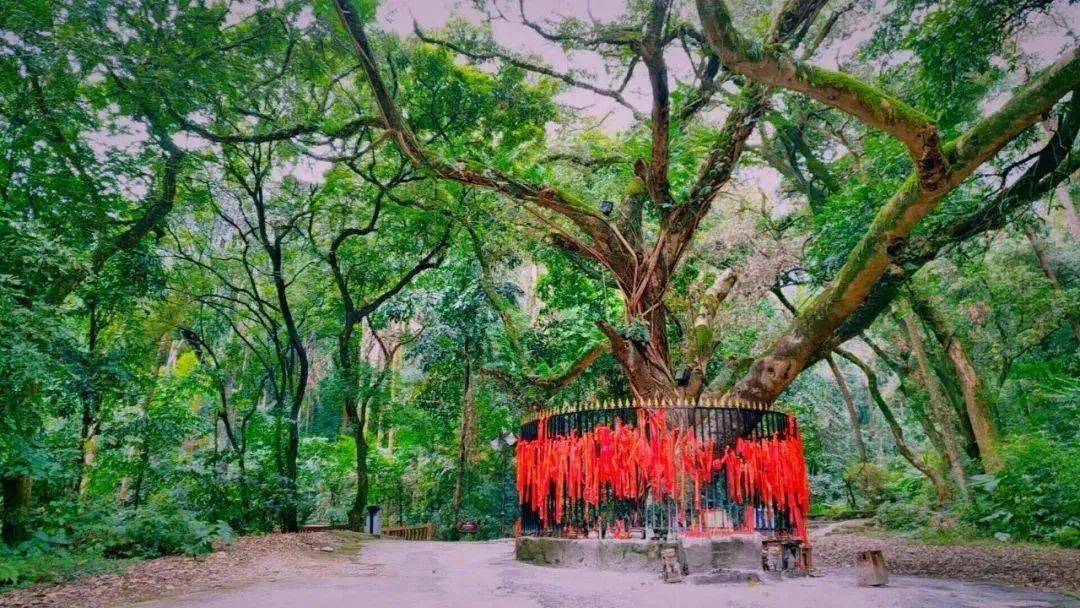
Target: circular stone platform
<point x="739" y="552"/>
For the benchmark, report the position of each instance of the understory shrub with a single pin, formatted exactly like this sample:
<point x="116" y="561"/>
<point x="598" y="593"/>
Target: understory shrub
<point x="867" y="481"/>
<point x="162" y="529"/>
<point x="25" y="565"/>
<point x="902" y="515"/>
<point x="73" y="539"/>
<point x="1036" y="497"/>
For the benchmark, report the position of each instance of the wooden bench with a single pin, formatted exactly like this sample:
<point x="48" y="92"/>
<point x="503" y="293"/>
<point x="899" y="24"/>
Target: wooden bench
<point x="421" y="532"/>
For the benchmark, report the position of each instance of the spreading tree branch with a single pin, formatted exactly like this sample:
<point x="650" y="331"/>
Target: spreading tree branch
<point x="875" y="257"/>
<point x="587" y="219"/>
<point x="774" y="66"/>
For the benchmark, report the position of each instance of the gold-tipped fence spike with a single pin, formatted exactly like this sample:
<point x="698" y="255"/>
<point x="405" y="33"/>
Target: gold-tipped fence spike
<point x="649" y="402"/>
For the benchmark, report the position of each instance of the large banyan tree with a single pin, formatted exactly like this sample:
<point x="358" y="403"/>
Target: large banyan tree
<point x="642" y="240"/>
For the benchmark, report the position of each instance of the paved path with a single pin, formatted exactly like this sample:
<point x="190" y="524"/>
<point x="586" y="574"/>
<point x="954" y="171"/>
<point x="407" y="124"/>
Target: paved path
<point x="422" y="574"/>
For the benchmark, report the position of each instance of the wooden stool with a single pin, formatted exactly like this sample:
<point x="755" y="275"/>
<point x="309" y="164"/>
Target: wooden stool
<point x="870" y="568"/>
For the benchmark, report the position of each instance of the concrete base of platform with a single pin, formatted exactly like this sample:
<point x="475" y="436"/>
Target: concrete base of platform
<point x="741" y="552"/>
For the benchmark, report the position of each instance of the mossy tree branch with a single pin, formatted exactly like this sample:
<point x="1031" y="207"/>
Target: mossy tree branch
<point x="875" y="259"/>
<point x="774" y="66"/>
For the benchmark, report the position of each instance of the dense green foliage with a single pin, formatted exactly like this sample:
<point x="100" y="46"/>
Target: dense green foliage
<point x="230" y="305"/>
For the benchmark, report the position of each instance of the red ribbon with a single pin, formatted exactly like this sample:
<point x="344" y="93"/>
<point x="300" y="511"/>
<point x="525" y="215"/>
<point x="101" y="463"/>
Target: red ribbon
<point x="626" y="462"/>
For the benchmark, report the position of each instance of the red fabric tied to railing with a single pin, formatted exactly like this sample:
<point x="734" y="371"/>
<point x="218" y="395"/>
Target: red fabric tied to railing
<point x="624" y="461"/>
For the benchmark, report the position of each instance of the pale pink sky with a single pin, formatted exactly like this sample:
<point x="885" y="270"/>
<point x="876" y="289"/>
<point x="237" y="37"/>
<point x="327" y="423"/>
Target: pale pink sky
<point x="1045" y="38"/>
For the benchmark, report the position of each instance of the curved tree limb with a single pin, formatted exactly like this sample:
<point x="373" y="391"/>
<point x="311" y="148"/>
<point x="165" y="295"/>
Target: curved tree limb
<point x="284" y="133"/>
<point x="587" y="219"/>
<point x="530" y="66"/>
<point x="774" y="66"/>
<point x="875" y="257"/>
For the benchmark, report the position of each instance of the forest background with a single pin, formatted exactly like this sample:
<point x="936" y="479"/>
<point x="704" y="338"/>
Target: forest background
<point x="264" y="264"/>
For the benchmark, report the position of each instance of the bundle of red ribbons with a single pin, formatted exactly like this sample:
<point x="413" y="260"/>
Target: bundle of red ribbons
<point x="630" y="461"/>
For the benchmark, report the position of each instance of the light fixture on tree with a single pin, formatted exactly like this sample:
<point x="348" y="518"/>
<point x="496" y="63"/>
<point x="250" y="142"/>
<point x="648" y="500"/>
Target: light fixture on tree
<point x="683" y="377"/>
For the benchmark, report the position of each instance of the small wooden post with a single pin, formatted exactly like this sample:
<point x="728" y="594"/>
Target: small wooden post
<point x="870" y="569"/>
<point x="672" y="569"/>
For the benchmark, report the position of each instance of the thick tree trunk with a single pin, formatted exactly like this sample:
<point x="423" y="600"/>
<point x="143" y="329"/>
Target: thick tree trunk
<point x="949" y="382"/>
<point x="1071" y="217"/>
<point x="290" y="519"/>
<point x="644" y="353"/>
<point x="849" y="404"/>
<point x="355" y="417"/>
<point x="16" y="493"/>
<point x="90" y="406"/>
<point x="940" y="485"/>
<point x="358" y="511"/>
<point x="941" y="413"/>
<point x="468" y="414"/>
<point x="976" y="401"/>
<point x="1051" y="276"/>
<point x="290" y="514"/>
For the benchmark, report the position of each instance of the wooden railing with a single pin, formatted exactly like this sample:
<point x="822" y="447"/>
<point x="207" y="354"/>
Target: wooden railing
<point x="422" y="532"/>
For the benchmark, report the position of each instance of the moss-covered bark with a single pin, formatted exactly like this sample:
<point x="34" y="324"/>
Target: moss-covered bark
<point x="941" y="413"/>
<point x="975" y="397"/>
<point x="941" y="486"/>
<point x="873" y="267"/>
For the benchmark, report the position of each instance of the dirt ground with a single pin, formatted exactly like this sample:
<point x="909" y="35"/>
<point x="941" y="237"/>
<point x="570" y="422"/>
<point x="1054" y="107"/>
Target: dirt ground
<point x="1005" y="563"/>
<point x="295" y="570"/>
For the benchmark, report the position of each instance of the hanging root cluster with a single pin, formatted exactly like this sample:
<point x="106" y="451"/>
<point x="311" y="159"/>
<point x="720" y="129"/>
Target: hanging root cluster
<point x="711" y="481"/>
